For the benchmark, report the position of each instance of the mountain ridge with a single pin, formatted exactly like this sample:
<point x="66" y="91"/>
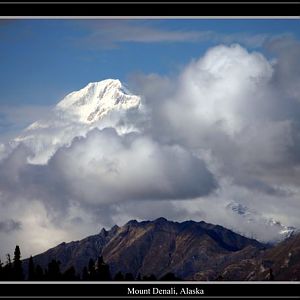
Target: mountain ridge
<point x="156" y="248"/>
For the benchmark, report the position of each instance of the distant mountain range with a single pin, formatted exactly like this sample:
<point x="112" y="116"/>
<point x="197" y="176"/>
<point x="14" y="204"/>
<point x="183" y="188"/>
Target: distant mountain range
<point x="275" y="230"/>
<point x="190" y="250"/>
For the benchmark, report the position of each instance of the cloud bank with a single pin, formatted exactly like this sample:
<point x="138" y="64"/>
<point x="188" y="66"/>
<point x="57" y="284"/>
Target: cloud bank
<point x="225" y="129"/>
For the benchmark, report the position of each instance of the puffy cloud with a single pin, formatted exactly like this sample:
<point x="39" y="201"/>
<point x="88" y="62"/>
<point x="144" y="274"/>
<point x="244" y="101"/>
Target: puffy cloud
<point x="95" y="174"/>
<point x="240" y="111"/>
<point x="228" y="104"/>
<point x="225" y="129"/>
<point x="105" y="167"/>
<point x="287" y="76"/>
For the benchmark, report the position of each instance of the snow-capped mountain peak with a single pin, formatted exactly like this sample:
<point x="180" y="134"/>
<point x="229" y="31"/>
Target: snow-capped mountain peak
<point x="273" y="230"/>
<point x="96" y="100"/>
<point x="98" y="105"/>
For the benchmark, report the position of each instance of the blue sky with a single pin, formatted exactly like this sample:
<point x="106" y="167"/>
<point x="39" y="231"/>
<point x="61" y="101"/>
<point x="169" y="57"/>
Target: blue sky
<point x="43" y="60"/>
<point x="223" y="128"/>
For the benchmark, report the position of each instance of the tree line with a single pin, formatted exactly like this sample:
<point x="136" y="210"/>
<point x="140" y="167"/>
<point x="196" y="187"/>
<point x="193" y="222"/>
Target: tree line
<point x="97" y="270"/>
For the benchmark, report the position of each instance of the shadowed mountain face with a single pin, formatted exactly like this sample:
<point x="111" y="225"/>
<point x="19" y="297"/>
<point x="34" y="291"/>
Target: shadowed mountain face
<point x="191" y="250"/>
<point x="282" y="262"/>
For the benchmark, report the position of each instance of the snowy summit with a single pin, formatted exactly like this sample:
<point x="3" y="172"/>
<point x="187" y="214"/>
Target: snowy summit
<point x="97" y="99"/>
<point x="98" y="105"/>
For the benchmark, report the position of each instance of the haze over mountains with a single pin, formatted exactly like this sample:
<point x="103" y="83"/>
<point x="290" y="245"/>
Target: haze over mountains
<point x="275" y="231"/>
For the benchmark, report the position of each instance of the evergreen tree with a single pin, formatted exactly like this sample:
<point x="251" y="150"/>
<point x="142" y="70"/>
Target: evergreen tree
<point x="31" y="270"/>
<point x="152" y="277"/>
<point x="8" y="269"/>
<point x="271" y="275"/>
<point x="70" y="274"/>
<point x="102" y="270"/>
<point x="129" y="277"/>
<point x="169" y="277"/>
<point x="53" y="272"/>
<point x="149" y="278"/>
<point x="85" y="274"/>
<point x="39" y="273"/>
<point x="17" y="265"/>
<point x="119" y="276"/>
<point x="219" y="278"/>
<point x="91" y="270"/>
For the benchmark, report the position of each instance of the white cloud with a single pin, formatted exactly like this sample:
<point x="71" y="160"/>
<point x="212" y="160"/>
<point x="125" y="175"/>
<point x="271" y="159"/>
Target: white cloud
<point x="14" y="118"/>
<point x="226" y="128"/>
<point x="230" y="106"/>
<point x="103" y="34"/>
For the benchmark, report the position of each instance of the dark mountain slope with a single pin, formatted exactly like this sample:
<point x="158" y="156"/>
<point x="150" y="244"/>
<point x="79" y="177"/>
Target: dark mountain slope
<point x="281" y="262"/>
<point x="191" y="250"/>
